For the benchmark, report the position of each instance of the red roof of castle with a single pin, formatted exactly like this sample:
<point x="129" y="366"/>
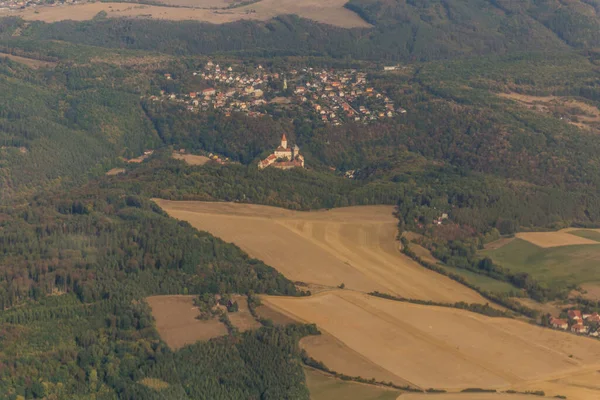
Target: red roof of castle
<point x="283" y="138"/>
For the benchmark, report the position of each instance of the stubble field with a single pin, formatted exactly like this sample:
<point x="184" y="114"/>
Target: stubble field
<point x="355" y="246"/>
<point x="177" y="324"/>
<point x="448" y="348"/>
<point x="330" y="12"/>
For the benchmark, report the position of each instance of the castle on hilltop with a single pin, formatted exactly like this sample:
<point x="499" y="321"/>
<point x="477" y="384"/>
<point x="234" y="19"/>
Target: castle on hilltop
<point x="284" y="157"/>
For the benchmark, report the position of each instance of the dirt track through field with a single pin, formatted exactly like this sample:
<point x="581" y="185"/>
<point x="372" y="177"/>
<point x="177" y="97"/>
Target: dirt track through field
<point x="330" y="12"/>
<point x="355" y="245"/>
<point x="442" y="347"/>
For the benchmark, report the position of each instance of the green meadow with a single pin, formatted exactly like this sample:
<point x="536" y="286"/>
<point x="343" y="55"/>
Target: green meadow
<point x="557" y="267"/>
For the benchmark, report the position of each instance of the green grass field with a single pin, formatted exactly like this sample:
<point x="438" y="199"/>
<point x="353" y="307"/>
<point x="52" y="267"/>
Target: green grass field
<point x="556" y="267"/>
<point x="481" y="281"/>
<point x="588" y="234"/>
<point x="323" y="387"/>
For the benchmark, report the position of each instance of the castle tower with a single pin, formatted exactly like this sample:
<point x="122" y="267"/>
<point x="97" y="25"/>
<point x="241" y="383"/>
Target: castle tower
<point x="284" y="142"/>
<point x="284" y="83"/>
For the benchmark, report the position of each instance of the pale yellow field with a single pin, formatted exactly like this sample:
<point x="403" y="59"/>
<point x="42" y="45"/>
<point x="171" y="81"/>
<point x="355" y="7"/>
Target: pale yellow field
<point x="177" y="324"/>
<point x="191" y="159"/>
<point x="328" y="12"/>
<point x="341" y="358"/>
<point x="355" y="245"/>
<point x="554" y="239"/>
<point x="444" y="347"/>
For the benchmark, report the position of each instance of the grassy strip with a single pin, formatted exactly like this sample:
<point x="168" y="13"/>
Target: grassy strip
<point x="483" y="309"/>
<point x="311" y="362"/>
<point x="503" y="301"/>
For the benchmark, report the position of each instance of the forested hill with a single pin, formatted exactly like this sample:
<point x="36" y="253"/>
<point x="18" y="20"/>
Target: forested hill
<point x="402" y="30"/>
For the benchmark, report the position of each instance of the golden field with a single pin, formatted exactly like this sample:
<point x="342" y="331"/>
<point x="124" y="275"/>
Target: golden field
<point x="356" y="246"/>
<point x="330" y="12"/>
<point x="447" y="348"/>
<point x="176" y="321"/>
<point x="554" y="239"/>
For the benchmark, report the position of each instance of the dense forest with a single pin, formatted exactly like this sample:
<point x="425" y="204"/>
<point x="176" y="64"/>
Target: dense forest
<point x="84" y="261"/>
<point x="402" y="30"/>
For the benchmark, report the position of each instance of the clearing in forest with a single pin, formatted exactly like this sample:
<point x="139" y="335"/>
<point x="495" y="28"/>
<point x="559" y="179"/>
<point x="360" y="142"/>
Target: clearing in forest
<point x="330" y="12"/>
<point x="243" y="319"/>
<point x="191" y="159"/>
<point x="356" y="246"/>
<point x="446" y="348"/>
<point x="571" y="110"/>
<point x="115" y="171"/>
<point x="176" y="321"/>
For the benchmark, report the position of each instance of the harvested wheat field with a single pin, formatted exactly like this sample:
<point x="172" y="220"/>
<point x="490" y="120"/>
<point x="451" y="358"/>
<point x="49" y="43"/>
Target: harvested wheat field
<point x="177" y="324"/>
<point x="339" y="357"/>
<point x="468" y="396"/>
<point x="554" y="239"/>
<point x="330" y="12"/>
<point x="356" y="246"/>
<point x="440" y="347"/>
<point x="191" y="159"/>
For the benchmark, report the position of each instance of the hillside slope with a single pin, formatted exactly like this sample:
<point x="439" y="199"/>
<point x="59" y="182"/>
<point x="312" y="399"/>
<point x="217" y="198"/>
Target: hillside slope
<point x="402" y="30"/>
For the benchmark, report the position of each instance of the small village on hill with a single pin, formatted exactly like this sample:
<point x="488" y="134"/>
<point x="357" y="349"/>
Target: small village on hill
<point x="578" y="322"/>
<point x="332" y="96"/>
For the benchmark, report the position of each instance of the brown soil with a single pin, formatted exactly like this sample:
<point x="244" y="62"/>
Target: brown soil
<point x="443" y="347"/>
<point x="177" y="324"/>
<point x="356" y="246"/>
<point x="328" y="12"/>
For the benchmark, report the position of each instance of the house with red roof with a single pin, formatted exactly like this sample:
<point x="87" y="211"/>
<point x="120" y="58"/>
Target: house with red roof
<point x="575" y="315"/>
